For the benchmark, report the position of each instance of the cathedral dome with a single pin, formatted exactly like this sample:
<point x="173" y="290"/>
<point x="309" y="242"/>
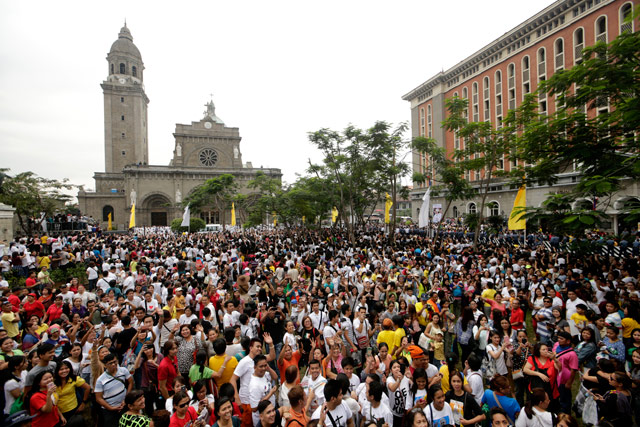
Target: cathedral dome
<point x="124" y="44"/>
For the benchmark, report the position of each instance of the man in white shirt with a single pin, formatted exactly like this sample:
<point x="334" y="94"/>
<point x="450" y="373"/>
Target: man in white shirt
<point x="231" y="316"/>
<point x="334" y="413"/>
<point x="316" y="382"/>
<point x="260" y="387"/>
<point x="332" y="332"/>
<point x="572" y="302"/>
<point x="244" y="372"/>
<point x="318" y="318"/>
<point x="373" y="409"/>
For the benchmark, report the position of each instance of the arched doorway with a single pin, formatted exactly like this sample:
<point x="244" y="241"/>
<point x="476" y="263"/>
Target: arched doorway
<point x="156" y="208"/>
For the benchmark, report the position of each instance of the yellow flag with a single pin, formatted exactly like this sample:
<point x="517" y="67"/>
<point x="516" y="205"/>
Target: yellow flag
<point x="110" y="226"/>
<point x="233" y="214"/>
<point x="516" y="222"/>
<point x="132" y="218"/>
<point x="303" y="219"/>
<point x="275" y="219"/>
<point x="387" y="208"/>
<point x="334" y="215"/>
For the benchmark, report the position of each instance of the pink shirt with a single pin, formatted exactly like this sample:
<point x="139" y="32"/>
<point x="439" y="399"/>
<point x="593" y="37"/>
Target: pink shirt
<point x="568" y="362"/>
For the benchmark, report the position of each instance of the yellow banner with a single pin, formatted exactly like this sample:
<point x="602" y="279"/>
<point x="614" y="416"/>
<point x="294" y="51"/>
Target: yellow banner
<point x="132" y="218"/>
<point x="110" y="226"/>
<point x="233" y="214"/>
<point x="387" y="208"/>
<point x="516" y="222"/>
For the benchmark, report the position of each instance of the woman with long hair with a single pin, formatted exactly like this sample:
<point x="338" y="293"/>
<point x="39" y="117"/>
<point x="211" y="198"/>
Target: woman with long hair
<point x="631" y="321"/>
<point x="466" y="410"/>
<point x="41" y="401"/>
<point x="310" y="338"/>
<point x="14" y="379"/>
<point x="586" y="350"/>
<point x="438" y="409"/>
<point x="481" y="332"/>
<point x="183" y="413"/>
<point x="7" y="351"/>
<point x="418" y="393"/>
<point x="433" y="328"/>
<point x="30" y="335"/>
<point x="332" y="364"/>
<point x="498" y="352"/>
<point x="200" y="370"/>
<point x="535" y="412"/>
<point x="75" y="358"/>
<point x="202" y="401"/>
<point x="542" y="370"/>
<point x="149" y="361"/>
<point x="464" y="332"/>
<point x="67" y="384"/>
<point x="224" y="414"/>
<point x="615" y="405"/>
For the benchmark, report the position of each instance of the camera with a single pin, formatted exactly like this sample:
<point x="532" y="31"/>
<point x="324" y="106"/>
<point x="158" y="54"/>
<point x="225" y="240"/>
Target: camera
<point x="524" y="340"/>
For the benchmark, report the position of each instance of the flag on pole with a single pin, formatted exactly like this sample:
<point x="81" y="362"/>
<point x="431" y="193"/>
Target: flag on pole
<point x="275" y="219"/>
<point x="233" y="214"/>
<point x="110" y="226"/>
<point x="132" y="218"/>
<point x="423" y="219"/>
<point x="387" y="208"/>
<point x="516" y="222"/>
<point x="186" y="217"/>
<point x="303" y="219"/>
<point x="334" y="215"/>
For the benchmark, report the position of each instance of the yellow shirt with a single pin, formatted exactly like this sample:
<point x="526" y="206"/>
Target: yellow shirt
<point x="579" y="320"/>
<point x="444" y="382"/>
<point x="628" y="325"/>
<point x="489" y="293"/>
<point x="397" y="339"/>
<point x="387" y="337"/>
<point x="424" y="318"/>
<point x="8" y="324"/>
<point x="215" y="362"/>
<point x="44" y="261"/>
<point x="67" y="395"/>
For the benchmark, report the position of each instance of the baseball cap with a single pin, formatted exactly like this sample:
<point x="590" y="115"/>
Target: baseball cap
<point x="416" y="352"/>
<point x="17" y="419"/>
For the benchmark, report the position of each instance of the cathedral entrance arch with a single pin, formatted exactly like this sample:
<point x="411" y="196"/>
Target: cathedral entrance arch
<point x="156" y="209"/>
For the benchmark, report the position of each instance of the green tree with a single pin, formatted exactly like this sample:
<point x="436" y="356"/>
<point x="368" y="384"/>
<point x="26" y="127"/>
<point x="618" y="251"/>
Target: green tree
<point x="484" y="151"/>
<point x="195" y="224"/>
<point x="593" y="131"/>
<point x="217" y="192"/>
<point x="449" y="175"/>
<point x="32" y="195"/>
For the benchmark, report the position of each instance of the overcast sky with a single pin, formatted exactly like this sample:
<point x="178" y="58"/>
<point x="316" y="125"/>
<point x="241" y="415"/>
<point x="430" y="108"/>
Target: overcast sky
<point x="277" y="70"/>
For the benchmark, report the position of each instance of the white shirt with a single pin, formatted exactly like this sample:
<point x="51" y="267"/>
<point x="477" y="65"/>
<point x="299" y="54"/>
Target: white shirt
<point x="371" y="414"/>
<point x="477" y="387"/>
<point x="318" y="320"/>
<point x="340" y="416"/>
<point x="444" y="417"/>
<point x="244" y="371"/>
<point x="539" y="419"/>
<point x="571" y="307"/>
<point x="259" y="387"/>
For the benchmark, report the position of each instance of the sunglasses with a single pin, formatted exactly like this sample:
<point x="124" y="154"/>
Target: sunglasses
<point x="182" y="405"/>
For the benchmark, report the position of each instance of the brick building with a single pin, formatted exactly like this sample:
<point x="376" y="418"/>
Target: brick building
<point x="496" y="78"/>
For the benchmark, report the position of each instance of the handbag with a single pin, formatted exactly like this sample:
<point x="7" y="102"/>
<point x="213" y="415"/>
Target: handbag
<point x="488" y="367"/>
<point x="17" y="405"/>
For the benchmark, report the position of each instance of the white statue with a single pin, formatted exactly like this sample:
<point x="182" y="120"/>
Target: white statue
<point x="179" y="150"/>
<point x="178" y="196"/>
<point x="235" y="152"/>
<point x="133" y="196"/>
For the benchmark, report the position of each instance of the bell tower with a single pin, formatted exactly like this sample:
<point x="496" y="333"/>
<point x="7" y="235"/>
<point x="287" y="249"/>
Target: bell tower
<point x="125" y="106"/>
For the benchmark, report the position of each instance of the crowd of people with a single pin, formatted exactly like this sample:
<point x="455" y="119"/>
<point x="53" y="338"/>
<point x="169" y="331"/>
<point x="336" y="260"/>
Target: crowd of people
<point x="303" y="328"/>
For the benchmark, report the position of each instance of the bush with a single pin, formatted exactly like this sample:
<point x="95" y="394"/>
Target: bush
<point x="196" y="224"/>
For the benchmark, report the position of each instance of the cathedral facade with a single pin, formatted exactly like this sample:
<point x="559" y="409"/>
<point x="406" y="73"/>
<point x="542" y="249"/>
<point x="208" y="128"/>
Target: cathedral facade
<point x="203" y="150"/>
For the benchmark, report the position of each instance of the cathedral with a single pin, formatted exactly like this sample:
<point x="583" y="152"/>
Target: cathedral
<point x="203" y="150"/>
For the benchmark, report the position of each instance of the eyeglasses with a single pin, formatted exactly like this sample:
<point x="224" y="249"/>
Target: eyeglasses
<point x="182" y="405"/>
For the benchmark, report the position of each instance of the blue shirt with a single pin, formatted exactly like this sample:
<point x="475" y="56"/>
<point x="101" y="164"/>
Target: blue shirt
<point x="509" y="404"/>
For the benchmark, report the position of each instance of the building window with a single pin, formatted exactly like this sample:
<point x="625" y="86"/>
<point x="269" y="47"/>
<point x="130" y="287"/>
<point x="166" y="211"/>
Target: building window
<point x="429" y="123"/>
<point x="486" y="103"/>
<point x="474" y="95"/>
<point x="210" y="217"/>
<point x="106" y="211"/>
<point x="601" y="29"/>
<point x="122" y="99"/>
<point x="455" y="212"/>
<point x="422" y="122"/>
<point x="511" y="75"/>
<point x="559" y="54"/>
<point x="526" y="85"/>
<point x="122" y="118"/>
<point x="112" y="69"/>
<point x="578" y="45"/>
<point x="494" y="208"/>
<point x="124" y="153"/>
<point x="625" y="13"/>
<point x="465" y="95"/>
<point x="208" y="157"/>
<point x="122" y="69"/>
<point x="123" y="135"/>
<point x="471" y="208"/>
<point x="134" y="71"/>
<point x="542" y="63"/>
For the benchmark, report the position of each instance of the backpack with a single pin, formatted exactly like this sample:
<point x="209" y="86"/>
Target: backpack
<point x="488" y="367"/>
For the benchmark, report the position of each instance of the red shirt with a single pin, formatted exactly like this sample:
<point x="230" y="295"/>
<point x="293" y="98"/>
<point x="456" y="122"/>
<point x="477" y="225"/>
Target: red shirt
<point x="42" y="419"/>
<point x="15" y="302"/>
<point x="517" y="319"/>
<point x="54" y="312"/>
<point x="189" y="417"/>
<point x="30" y="282"/>
<point x="34" y="309"/>
<point x="167" y="370"/>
